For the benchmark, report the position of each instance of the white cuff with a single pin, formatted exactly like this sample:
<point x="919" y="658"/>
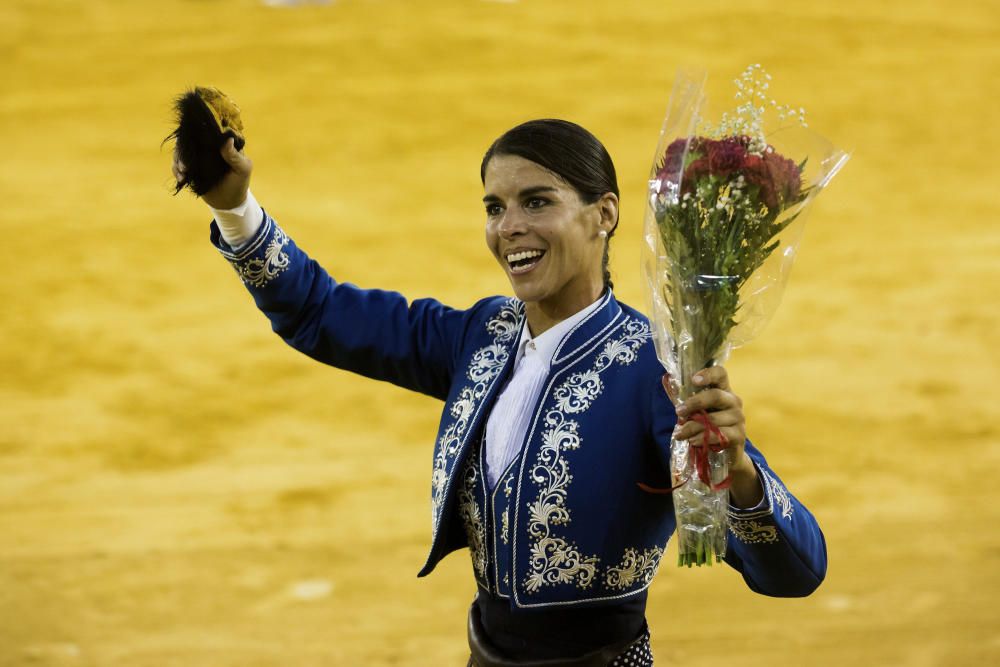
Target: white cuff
<point x="764" y="504"/>
<point x="238" y="225"/>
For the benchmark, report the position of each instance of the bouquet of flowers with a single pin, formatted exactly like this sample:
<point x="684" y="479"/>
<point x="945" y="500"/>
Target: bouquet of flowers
<point x="726" y="205"/>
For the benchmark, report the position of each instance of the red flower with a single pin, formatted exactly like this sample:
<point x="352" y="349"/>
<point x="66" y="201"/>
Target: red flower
<point x="695" y="171"/>
<point x="785" y="176"/>
<point x="726" y="156"/>
<point x="673" y="160"/>
<point x="758" y="174"/>
<point x="776" y="178"/>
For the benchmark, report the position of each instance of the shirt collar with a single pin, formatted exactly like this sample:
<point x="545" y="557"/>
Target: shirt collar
<point x="547" y="343"/>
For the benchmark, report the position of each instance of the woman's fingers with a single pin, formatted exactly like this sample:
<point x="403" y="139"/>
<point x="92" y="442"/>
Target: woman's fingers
<point x="721" y="408"/>
<point x="709" y="400"/>
<point x="713" y="376"/>
<point x="733" y="437"/>
<point x="240" y="163"/>
<point x="178" y="168"/>
<point x="722" y="419"/>
<point x="231" y="191"/>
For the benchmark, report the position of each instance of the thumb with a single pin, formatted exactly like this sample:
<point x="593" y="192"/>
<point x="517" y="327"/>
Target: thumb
<point x="235" y="159"/>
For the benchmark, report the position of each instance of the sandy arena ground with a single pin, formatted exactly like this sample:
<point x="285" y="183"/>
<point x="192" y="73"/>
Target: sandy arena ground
<point x="178" y="488"/>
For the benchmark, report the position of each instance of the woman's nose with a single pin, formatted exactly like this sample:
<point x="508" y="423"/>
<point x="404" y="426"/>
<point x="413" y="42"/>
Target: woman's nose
<point x="512" y="224"/>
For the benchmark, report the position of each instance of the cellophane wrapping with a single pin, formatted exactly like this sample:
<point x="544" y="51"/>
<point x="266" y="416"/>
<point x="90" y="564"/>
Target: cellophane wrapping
<point x="725" y="214"/>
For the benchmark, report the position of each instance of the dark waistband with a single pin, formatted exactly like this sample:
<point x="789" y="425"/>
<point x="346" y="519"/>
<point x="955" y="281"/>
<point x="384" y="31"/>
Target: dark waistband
<point x="558" y="632"/>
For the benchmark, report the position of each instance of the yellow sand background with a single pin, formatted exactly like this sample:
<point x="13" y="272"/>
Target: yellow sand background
<point x="177" y="487"/>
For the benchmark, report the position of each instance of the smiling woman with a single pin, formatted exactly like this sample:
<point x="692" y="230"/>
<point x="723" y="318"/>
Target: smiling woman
<point x="565" y="201"/>
<point x="555" y="417"/>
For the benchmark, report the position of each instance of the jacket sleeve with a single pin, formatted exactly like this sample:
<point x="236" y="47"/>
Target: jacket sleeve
<point x="779" y="548"/>
<point x="371" y="332"/>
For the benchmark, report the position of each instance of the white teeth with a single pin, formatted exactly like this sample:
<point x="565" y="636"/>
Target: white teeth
<point x="527" y="254"/>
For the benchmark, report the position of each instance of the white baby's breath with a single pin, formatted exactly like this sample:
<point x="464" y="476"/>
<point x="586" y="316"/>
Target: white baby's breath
<point x="748" y="119"/>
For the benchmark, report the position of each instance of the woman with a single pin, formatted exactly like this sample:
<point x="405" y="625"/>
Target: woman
<point x="555" y="409"/>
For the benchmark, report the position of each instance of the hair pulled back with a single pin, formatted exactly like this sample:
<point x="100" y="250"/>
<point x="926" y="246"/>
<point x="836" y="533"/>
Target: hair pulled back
<point x="570" y="152"/>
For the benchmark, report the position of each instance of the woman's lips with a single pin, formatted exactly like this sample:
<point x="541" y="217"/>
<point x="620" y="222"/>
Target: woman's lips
<point x="524" y="264"/>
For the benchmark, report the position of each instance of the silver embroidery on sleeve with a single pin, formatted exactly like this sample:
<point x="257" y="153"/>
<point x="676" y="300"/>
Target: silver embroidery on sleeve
<point x="259" y="271"/>
<point x="484" y="367"/>
<point x="634" y="567"/>
<point x="553" y="559"/>
<point x="778" y="494"/>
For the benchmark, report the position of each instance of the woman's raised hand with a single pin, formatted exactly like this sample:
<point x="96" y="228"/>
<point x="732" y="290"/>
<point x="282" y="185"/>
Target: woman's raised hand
<point x="231" y="191"/>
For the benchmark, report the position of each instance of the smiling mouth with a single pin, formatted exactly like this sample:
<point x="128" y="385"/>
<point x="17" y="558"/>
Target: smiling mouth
<point x="522" y="262"/>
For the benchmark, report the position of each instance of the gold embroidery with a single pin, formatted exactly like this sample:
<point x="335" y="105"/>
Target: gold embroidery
<point x="258" y="272"/>
<point x="751" y="531"/>
<point x="634" y="567"/>
<point x="485" y="365"/>
<point x="555" y="560"/>
<point x="468" y="510"/>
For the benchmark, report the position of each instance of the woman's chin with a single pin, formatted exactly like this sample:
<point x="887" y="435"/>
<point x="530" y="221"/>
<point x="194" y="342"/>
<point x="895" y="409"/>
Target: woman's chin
<point x="525" y="293"/>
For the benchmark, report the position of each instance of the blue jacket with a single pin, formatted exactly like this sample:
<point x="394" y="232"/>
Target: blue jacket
<point x="566" y="523"/>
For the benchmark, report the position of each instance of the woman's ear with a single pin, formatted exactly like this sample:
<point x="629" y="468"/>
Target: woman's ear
<point x="607" y="205"/>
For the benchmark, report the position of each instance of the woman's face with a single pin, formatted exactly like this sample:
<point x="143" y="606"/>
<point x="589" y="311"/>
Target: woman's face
<point x="544" y="237"/>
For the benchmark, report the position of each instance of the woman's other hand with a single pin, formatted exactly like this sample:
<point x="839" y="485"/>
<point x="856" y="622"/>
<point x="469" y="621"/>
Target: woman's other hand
<point x="725" y="411"/>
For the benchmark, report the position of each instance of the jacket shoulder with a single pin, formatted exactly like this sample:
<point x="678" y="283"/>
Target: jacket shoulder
<point x="648" y="361"/>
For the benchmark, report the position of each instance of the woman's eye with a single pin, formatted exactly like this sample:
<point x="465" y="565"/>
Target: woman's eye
<point x="536" y="202"/>
<point x="493" y="210"/>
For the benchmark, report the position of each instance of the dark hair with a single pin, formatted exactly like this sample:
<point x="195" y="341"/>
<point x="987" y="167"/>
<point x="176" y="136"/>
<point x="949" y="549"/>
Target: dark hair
<point x="570" y="152"/>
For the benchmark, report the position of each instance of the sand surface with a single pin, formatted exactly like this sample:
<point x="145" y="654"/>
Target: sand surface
<point x="179" y="488"/>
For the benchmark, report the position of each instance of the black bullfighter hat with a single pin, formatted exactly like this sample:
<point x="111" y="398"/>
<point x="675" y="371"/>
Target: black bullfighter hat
<point x="206" y="118"/>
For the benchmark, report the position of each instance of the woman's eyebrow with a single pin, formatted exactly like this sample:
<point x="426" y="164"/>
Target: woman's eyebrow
<point x="538" y="189"/>
<point x="527" y="192"/>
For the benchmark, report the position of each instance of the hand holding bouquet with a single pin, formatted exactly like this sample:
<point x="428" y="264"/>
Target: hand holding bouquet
<point x="722" y="200"/>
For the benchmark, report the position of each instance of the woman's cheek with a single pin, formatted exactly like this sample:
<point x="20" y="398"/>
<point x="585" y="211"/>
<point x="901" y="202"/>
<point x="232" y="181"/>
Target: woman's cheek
<point x="491" y="239"/>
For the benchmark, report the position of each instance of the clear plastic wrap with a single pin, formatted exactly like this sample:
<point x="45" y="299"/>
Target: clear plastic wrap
<point x="725" y="215"/>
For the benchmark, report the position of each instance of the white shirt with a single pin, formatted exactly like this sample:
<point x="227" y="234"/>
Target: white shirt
<point x="238" y="225"/>
<point x="513" y="411"/>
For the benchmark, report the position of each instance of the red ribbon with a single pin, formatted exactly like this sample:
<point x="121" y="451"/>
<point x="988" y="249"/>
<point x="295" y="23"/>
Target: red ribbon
<point x="701" y="450"/>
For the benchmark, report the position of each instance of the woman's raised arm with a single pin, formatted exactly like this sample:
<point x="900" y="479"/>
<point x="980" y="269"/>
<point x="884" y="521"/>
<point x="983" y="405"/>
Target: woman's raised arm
<point x="375" y="333"/>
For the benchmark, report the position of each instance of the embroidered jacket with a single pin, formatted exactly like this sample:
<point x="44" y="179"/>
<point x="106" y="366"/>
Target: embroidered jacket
<point x="566" y="523"/>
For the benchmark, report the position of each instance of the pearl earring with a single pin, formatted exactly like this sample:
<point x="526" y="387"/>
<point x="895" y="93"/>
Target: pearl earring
<point x="603" y="234"/>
